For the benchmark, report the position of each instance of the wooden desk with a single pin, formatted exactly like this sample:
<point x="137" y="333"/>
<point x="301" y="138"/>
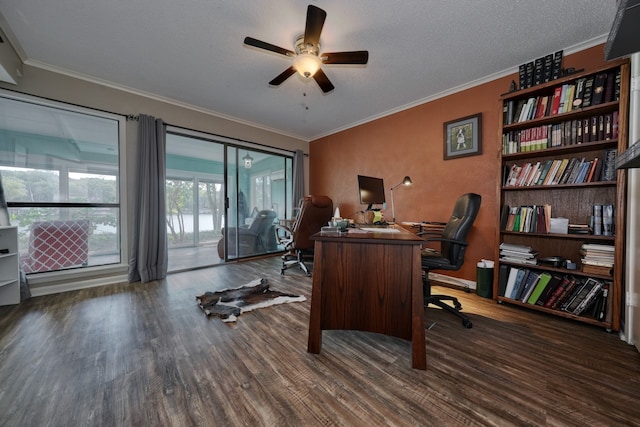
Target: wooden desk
<point x="368" y="282"/>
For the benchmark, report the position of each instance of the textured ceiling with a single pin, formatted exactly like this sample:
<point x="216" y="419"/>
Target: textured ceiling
<point x="192" y="52"/>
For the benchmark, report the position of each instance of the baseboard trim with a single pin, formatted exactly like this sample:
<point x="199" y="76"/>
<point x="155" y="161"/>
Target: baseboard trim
<point x="38" y="291"/>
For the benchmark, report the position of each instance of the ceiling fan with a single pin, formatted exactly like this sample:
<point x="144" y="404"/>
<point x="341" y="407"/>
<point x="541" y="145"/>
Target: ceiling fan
<point x="307" y="58"/>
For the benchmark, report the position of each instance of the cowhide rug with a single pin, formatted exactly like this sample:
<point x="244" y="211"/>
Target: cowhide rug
<point x="228" y="304"/>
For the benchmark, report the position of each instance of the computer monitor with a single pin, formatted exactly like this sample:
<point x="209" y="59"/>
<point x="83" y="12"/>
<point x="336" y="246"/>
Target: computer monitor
<point x="371" y="191"/>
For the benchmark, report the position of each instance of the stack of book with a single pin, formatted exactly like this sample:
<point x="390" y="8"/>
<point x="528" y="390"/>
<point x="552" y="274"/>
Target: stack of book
<point x="518" y="254"/>
<point x="579" y="229"/>
<point x="597" y="258"/>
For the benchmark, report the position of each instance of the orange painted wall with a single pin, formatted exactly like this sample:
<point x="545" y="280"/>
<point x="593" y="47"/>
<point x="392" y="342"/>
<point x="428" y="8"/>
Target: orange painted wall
<point x="411" y="143"/>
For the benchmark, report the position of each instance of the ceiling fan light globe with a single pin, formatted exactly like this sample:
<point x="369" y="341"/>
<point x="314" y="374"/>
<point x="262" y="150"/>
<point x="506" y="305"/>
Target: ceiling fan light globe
<point x="306" y="64"/>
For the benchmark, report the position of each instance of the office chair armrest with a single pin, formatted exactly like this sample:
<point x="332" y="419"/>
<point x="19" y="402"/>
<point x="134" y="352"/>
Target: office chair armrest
<point x="284" y="235"/>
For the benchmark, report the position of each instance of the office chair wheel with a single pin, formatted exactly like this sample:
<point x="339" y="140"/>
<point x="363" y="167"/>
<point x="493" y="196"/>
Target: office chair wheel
<point x="467" y="324"/>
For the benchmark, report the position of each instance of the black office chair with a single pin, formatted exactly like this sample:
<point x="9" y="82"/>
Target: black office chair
<point x="453" y="244"/>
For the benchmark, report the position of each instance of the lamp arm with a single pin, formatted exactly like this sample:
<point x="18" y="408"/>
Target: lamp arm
<point x="393" y="208"/>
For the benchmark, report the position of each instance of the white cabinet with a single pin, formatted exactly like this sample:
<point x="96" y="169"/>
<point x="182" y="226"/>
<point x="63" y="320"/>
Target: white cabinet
<point x="9" y="269"/>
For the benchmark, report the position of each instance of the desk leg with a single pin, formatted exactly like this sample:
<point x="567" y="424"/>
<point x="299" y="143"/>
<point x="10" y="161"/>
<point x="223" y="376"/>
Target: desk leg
<point x="418" y="350"/>
<point x="315" y="317"/>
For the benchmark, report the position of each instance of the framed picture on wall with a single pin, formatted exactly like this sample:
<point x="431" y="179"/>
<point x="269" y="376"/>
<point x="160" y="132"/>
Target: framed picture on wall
<point x="463" y="137"/>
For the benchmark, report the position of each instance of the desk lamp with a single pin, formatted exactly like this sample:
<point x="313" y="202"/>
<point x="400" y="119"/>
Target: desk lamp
<point x="405" y="181"/>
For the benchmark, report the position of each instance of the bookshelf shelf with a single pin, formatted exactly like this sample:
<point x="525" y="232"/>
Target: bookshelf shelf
<point x="570" y="236"/>
<point x="606" y="324"/>
<point x="562" y="186"/>
<point x="546" y="136"/>
<point x="567" y="149"/>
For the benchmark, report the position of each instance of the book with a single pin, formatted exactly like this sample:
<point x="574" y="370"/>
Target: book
<point x="544" y="171"/>
<point x="593" y="128"/>
<point x="529" y="74"/>
<point x="610" y="86"/>
<point x="568" y="170"/>
<point x="592" y="170"/>
<point x="547" y="68"/>
<point x="503" y="277"/>
<point x="607" y="220"/>
<point x="597" y="172"/>
<point x="538" y="71"/>
<point x="557" y="65"/>
<point x="529" y="285"/>
<point x="607" y="126"/>
<point x="597" y="96"/>
<point x="577" y="99"/>
<point x="543" y="281"/>
<point x="609" y="164"/>
<point x="559" y="171"/>
<point x="574" y="298"/>
<point x="520" y="283"/>
<point x="566" y="293"/>
<point x="602" y="310"/>
<point x="588" y="91"/>
<point x="597" y="220"/>
<point x="555" y="100"/>
<point x="553" y="284"/>
<point x="522" y="76"/>
<point x="560" y="290"/>
<point x="511" y="281"/>
<point x="585" y="297"/>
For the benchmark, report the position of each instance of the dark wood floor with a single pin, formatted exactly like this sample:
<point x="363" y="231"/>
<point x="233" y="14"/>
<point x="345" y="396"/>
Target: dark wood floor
<point x="145" y="354"/>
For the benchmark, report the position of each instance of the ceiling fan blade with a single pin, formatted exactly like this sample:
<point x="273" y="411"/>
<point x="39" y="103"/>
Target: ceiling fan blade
<point x="323" y="81"/>
<point x="267" y="46"/>
<point x="283" y="76"/>
<point x="313" y="27"/>
<point x="355" y="57"/>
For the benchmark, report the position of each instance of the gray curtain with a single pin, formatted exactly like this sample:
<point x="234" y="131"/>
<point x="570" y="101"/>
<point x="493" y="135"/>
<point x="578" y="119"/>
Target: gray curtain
<point x="25" y="293"/>
<point x="298" y="176"/>
<point x="149" y="257"/>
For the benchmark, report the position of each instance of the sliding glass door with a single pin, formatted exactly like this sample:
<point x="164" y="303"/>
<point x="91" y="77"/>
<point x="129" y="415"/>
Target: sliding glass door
<point x="223" y="201"/>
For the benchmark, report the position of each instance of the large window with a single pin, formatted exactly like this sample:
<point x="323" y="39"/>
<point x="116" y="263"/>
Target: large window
<point x="60" y="169"/>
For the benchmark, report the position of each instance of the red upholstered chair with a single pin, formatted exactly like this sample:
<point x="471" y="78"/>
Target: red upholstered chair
<point x="56" y="245"/>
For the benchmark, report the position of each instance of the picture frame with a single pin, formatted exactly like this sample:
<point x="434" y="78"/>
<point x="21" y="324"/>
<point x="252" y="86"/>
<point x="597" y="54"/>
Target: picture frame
<point x="463" y="137"/>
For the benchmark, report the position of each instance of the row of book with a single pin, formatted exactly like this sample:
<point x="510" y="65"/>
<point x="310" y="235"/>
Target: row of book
<point x="576" y="295"/>
<point x="540" y="70"/>
<point x="602" y="127"/>
<point x="528" y="219"/>
<point x="581" y="93"/>
<point x="572" y="170"/>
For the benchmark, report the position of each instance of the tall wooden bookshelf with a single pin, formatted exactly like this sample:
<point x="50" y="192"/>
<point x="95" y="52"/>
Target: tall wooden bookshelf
<point x="573" y="201"/>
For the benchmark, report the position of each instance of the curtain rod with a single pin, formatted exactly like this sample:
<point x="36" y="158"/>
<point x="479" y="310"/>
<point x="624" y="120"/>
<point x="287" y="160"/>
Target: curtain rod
<point x="230" y="137"/>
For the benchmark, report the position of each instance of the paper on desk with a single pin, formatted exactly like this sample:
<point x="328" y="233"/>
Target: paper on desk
<point x="380" y="230"/>
<point x="356" y="231"/>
